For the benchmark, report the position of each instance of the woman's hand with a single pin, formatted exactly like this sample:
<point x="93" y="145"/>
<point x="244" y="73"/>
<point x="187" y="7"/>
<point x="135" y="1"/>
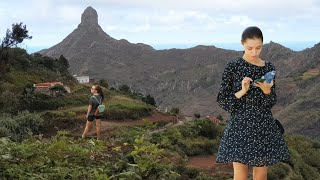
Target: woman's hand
<point x="245" y="85"/>
<point x="265" y="87"/>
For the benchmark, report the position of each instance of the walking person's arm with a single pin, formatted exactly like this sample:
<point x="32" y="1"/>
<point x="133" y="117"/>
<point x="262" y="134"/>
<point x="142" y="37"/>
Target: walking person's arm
<point x="89" y="110"/>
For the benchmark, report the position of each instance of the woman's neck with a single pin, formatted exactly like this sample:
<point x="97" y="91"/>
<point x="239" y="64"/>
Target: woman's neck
<point x="256" y="62"/>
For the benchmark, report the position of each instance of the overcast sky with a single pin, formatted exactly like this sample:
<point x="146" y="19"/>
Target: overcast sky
<point x="166" y="22"/>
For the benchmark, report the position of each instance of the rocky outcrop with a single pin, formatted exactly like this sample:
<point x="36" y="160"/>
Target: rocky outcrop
<point x="90" y="50"/>
<point x="89" y="17"/>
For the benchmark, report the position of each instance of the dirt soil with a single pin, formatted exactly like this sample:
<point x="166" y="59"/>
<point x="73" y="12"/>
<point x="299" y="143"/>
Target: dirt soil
<point x="207" y="163"/>
<point x="109" y="125"/>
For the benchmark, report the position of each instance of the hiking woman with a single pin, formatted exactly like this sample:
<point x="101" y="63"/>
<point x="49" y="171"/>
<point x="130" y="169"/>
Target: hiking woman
<point x="92" y="114"/>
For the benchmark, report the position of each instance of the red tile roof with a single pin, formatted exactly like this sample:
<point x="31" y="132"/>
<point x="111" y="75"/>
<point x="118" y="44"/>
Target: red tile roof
<point x="47" y="84"/>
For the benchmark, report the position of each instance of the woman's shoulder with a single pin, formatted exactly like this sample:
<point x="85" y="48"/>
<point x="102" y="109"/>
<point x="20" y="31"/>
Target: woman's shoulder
<point x="99" y="97"/>
<point x="95" y="97"/>
<point x="233" y="63"/>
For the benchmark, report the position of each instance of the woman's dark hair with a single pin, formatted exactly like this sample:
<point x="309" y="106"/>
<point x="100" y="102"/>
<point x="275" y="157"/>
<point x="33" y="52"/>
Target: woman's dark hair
<point x="99" y="91"/>
<point x="251" y="33"/>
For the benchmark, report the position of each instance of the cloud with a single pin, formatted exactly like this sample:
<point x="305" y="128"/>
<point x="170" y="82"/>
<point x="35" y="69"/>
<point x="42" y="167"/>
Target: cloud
<point x="137" y="28"/>
<point x="173" y="21"/>
<point x="167" y="21"/>
<point x="69" y="13"/>
<point x="216" y="6"/>
<point x="240" y="21"/>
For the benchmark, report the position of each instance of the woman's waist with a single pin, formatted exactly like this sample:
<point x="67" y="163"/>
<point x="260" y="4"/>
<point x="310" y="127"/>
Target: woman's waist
<point x="252" y="107"/>
<point x="251" y="102"/>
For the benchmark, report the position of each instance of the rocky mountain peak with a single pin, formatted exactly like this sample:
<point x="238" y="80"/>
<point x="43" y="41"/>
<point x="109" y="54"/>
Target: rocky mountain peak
<point x="89" y="17"/>
<point x="317" y="46"/>
<point x="275" y="45"/>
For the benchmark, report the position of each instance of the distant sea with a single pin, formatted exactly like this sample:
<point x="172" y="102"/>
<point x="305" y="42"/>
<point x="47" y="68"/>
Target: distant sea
<point x="295" y="46"/>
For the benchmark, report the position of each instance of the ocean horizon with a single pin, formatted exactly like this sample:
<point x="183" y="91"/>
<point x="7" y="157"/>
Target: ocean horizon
<point x="295" y="46"/>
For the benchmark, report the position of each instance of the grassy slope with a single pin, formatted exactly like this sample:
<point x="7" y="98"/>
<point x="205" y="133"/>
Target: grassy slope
<point x="302" y="115"/>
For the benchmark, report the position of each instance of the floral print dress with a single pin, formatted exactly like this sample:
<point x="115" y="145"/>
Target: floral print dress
<point x="251" y="136"/>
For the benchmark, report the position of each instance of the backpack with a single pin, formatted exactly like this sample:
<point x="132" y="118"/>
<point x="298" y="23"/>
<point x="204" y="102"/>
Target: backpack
<point x="101" y="108"/>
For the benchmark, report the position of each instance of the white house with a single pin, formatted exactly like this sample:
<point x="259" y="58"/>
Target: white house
<point x="82" y="79"/>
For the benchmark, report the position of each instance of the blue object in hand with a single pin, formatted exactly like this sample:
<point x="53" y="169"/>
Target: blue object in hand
<point x="269" y="76"/>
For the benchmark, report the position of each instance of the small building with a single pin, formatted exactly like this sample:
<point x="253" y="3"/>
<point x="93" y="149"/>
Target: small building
<point x="45" y="87"/>
<point x="82" y="79"/>
<point x="164" y="109"/>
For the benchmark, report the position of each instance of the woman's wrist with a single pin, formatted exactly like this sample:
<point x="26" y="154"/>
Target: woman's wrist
<point x="240" y="93"/>
<point x="266" y="91"/>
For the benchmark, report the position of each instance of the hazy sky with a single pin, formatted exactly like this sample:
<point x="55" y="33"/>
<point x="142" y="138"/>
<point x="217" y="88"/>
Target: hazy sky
<point x="167" y="21"/>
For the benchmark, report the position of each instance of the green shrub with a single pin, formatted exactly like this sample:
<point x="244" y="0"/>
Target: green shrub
<point x="191" y="139"/>
<point x="192" y="172"/>
<point x="62" y="119"/>
<point x="312" y="158"/>
<point x="316" y="145"/>
<point x="59" y="115"/>
<point x="58" y="158"/>
<point x="197" y="115"/>
<point x="149" y="100"/>
<point x="202" y="127"/>
<point x="4" y="131"/>
<point x="209" y="129"/>
<point x="279" y="171"/>
<point x="125" y="89"/>
<point x="21" y="126"/>
<point x="302" y="165"/>
<point x="128" y="135"/>
<point x="152" y="162"/>
<point x="196" y="146"/>
<point x="9" y="102"/>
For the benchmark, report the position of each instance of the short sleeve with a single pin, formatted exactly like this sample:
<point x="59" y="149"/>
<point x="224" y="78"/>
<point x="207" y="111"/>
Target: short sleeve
<point x="91" y="101"/>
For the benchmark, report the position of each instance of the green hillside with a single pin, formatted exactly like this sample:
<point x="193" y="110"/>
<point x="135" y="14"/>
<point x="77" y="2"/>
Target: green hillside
<point x="301" y="114"/>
